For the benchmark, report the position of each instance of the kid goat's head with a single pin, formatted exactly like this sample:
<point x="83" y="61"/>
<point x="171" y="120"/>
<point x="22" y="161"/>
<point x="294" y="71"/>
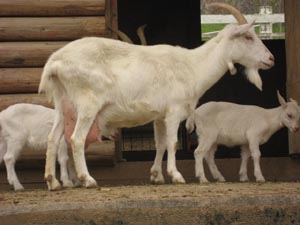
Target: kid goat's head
<point x="290" y="116"/>
<point x="243" y="46"/>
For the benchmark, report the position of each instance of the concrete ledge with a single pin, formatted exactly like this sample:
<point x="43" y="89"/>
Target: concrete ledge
<point x="248" y="203"/>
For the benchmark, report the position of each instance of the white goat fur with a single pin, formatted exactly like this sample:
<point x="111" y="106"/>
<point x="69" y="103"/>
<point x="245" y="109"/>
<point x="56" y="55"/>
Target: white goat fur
<point x="223" y="123"/>
<point x="26" y="126"/>
<point x="127" y="85"/>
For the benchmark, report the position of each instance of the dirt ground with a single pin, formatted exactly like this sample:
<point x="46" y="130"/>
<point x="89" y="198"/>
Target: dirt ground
<point x="215" y="203"/>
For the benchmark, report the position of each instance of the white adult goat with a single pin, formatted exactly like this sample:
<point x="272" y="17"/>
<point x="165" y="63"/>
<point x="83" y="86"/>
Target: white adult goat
<point x="27" y="126"/>
<point x="117" y="84"/>
<point x="229" y="124"/>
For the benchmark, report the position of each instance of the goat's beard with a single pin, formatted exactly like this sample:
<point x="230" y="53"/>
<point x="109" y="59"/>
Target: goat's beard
<point x="254" y="78"/>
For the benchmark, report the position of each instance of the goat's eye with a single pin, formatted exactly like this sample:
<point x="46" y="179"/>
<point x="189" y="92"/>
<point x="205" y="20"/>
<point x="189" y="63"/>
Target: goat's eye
<point x="290" y="116"/>
<point x="249" y="38"/>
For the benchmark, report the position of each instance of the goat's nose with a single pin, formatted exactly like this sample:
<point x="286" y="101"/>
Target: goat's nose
<point x="272" y="58"/>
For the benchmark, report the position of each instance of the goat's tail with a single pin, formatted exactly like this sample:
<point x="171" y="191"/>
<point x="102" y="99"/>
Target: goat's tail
<point x="49" y="83"/>
<point x="190" y="123"/>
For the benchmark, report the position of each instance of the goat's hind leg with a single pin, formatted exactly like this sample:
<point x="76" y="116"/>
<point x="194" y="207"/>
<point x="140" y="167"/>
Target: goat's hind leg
<point x="85" y="118"/>
<point x="10" y="157"/>
<point x="210" y="159"/>
<point x="53" y="144"/>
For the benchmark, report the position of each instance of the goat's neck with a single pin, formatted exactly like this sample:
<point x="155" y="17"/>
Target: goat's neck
<point x="211" y="63"/>
<point x="274" y="116"/>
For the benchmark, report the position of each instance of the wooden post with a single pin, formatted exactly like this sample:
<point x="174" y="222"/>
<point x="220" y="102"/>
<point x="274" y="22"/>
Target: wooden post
<point x="292" y="20"/>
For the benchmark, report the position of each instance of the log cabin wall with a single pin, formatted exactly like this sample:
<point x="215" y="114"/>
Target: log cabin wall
<point x="292" y="21"/>
<point x="30" y="30"/>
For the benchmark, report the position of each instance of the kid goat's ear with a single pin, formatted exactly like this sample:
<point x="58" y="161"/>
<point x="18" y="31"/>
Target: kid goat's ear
<point x="281" y="99"/>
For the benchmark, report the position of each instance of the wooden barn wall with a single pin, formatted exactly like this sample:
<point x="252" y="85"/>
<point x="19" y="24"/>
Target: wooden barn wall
<point x="30" y="30"/>
<point x="292" y="21"/>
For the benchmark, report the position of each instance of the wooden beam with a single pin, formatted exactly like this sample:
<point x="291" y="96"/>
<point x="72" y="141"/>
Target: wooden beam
<point x="27" y="54"/>
<point x="292" y="18"/>
<point x="111" y="17"/>
<point x="10" y="99"/>
<point x="51" y="29"/>
<point x="52" y="8"/>
<point x="19" y="80"/>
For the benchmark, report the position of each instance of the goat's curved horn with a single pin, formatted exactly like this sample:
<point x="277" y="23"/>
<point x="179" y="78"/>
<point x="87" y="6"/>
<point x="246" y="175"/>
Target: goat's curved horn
<point x="141" y="33"/>
<point x="121" y="35"/>
<point x="235" y="12"/>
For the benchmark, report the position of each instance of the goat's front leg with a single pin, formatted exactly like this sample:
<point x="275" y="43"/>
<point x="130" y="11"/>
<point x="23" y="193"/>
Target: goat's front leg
<point x="255" y="153"/>
<point x="172" y="125"/>
<point x="84" y="122"/>
<point x="245" y="155"/>
<point x="53" y="144"/>
<point x="161" y="145"/>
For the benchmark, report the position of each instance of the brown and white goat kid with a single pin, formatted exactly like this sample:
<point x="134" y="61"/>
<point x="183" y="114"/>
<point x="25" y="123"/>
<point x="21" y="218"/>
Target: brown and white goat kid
<point x="116" y="84"/>
<point x="229" y="124"/>
<point x="26" y="126"/>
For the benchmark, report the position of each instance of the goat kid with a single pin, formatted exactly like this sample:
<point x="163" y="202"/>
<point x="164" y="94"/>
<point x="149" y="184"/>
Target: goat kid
<point x="26" y="126"/>
<point x="120" y="85"/>
<point x="223" y="123"/>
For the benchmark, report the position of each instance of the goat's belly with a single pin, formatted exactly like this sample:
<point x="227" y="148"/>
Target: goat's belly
<point x="231" y="141"/>
<point x="129" y="118"/>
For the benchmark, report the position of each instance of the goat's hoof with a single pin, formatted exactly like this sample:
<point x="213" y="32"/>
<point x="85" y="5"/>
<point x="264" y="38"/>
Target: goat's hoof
<point x="90" y="182"/>
<point x="18" y="187"/>
<point x="54" y="185"/>
<point x="68" y="184"/>
<point x="244" y="179"/>
<point x="203" y="181"/>
<point x="221" y="180"/>
<point x="158" y="179"/>
<point x="260" y="180"/>
<point x="178" y="179"/>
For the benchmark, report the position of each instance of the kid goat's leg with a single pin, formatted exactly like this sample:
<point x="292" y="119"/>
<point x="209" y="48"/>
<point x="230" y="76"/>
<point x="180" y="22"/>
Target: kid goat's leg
<point x="255" y="153"/>
<point x="245" y="155"/>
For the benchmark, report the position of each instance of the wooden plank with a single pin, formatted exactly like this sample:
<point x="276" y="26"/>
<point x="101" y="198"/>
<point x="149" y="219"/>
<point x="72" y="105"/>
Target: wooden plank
<point x="292" y="17"/>
<point x="10" y="99"/>
<point x="111" y="17"/>
<point x="26" y="54"/>
<point x="51" y="29"/>
<point x="19" y="80"/>
<point x="52" y="7"/>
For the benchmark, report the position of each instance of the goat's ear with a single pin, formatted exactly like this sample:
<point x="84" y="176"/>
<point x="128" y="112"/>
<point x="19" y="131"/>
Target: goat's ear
<point x="242" y="29"/>
<point x="292" y="100"/>
<point x="280" y="99"/>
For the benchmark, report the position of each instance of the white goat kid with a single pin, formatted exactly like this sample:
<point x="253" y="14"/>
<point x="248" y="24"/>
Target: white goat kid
<point x="26" y="126"/>
<point x="223" y="123"/>
<point x="125" y="85"/>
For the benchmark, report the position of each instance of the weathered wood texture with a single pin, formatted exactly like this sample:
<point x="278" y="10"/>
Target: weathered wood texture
<point x="31" y="30"/>
<point x="51" y="29"/>
<point x="52" y="8"/>
<point x="19" y="80"/>
<point x="26" y="54"/>
<point x="292" y="20"/>
<point x="10" y="99"/>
